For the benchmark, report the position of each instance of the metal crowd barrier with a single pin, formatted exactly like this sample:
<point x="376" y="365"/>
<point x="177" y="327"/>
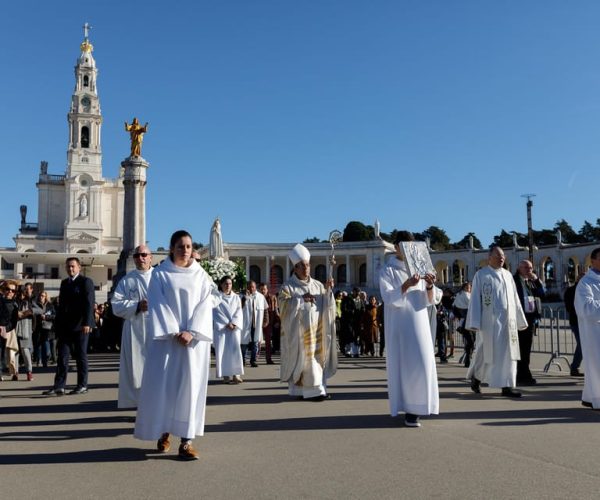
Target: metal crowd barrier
<point x="553" y="336"/>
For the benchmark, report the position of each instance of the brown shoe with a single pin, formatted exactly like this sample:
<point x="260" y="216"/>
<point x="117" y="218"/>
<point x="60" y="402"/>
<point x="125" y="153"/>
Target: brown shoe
<point x="187" y="452"/>
<point x="163" y="445"/>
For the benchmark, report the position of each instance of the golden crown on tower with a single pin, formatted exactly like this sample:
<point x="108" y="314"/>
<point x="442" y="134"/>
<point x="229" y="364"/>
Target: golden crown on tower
<point x="86" y="46"/>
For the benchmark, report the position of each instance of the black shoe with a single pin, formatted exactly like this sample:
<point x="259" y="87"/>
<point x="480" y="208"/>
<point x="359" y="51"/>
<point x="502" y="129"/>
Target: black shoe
<point x="270" y="362"/>
<point x="79" y="390"/>
<point x="509" y="392"/>
<point x="411" y="420"/>
<point x="318" y="399"/>
<point x="253" y="365"/>
<point x="54" y="392"/>
<point x="529" y="382"/>
<point x="476" y="385"/>
<point x="443" y="361"/>
<point x="587" y="404"/>
<point x="576" y="373"/>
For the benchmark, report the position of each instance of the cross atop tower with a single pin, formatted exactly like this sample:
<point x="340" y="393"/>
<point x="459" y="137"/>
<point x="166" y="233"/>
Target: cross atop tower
<point x="86" y="30"/>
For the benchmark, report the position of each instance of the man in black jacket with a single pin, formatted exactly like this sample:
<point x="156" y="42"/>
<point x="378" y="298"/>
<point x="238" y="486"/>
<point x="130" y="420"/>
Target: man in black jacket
<point x="530" y="290"/>
<point x="73" y="323"/>
<point x="574" y="323"/>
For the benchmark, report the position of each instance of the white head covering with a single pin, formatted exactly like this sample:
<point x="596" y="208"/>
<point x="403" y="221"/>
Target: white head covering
<point x="298" y="253"/>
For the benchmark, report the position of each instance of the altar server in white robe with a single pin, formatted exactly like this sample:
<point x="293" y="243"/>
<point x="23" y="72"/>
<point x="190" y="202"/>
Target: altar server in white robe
<point x="180" y="332"/>
<point x="255" y="309"/>
<point x="308" y="342"/>
<point x="495" y="313"/>
<point x="130" y="302"/>
<point x="410" y="360"/>
<point x="228" y="322"/>
<point x="587" y="305"/>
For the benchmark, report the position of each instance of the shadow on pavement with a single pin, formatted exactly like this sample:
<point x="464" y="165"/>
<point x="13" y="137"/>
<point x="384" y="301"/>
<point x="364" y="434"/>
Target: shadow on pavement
<point x="90" y="456"/>
<point x="309" y="423"/>
<point x="64" y="434"/>
<point x="70" y="406"/>
<point x="114" y="419"/>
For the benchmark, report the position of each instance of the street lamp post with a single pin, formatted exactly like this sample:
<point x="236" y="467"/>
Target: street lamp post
<point x="529" y="225"/>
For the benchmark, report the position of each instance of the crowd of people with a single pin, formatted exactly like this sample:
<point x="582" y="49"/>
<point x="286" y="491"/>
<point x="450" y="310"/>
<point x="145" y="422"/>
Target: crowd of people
<point x="29" y="340"/>
<point x="167" y="318"/>
<point x="359" y="322"/>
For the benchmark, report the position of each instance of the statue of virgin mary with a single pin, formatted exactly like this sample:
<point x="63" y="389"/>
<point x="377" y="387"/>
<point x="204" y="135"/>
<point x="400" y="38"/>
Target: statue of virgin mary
<point x="216" y="241"/>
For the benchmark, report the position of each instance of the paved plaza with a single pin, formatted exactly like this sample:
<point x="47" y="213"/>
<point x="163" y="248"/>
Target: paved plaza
<point x="261" y="444"/>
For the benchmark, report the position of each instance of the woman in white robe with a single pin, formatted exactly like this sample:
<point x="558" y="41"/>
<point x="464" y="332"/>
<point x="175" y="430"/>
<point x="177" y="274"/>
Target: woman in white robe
<point x="228" y="322"/>
<point x="180" y="330"/>
<point x="410" y="361"/>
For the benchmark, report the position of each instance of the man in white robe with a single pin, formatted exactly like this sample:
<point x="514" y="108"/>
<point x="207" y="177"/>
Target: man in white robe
<point x="410" y="360"/>
<point x="587" y="305"/>
<point x="496" y="315"/>
<point x="308" y="347"/>
<point x="254" y="321"/>
<point x="130" y="302"/>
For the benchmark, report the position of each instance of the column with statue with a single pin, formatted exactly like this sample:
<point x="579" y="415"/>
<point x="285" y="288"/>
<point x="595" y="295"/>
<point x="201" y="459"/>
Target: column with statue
<point x="134" y="207"/>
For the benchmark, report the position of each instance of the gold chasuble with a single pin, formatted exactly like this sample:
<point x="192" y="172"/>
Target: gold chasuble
<point x="308" y="342"/>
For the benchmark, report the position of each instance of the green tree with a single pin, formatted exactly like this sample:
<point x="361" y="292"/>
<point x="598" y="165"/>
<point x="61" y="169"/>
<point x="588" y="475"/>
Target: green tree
<point x="544" y="237"/>
<point x="196" y="245"/>
<point x="314" y="239"/>
<point x="589" y="232"/>
<point x="464" y="243"/>
<point x="568" y="233"/>
<point x="504" y="239"/>
<point x="357" y="231"/>
<point x="438" y="238"/>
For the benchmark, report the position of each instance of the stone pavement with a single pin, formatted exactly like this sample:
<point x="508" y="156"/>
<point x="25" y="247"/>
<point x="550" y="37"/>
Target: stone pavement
<point x="259" y="444"/>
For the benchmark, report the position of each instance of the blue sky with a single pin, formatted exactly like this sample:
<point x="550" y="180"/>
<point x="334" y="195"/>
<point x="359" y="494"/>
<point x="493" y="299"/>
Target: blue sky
<point x="287" y="119"/>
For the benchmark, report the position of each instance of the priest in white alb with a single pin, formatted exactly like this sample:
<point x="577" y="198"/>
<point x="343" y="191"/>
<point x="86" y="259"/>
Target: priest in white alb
<point x="256" y="315"/>
<point x="130" y="302"/>
<point x="587" y="305"/>
<point x="410" y="360"/>
<point x="496" y="315"/>
<point x="228" y="322"/>
<point x="308" y="342"/>
<point x="180" y="332"/>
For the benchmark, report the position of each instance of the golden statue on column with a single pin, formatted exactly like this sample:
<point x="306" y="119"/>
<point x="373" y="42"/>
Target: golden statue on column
<point x="136" y="132"/>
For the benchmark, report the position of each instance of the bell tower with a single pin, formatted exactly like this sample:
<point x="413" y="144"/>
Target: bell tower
<point x="84" y="184"/>
<point x="84" y="153"/>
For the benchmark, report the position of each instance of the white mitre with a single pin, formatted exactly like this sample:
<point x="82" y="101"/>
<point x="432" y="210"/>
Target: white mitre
<point x="299" y="253"/>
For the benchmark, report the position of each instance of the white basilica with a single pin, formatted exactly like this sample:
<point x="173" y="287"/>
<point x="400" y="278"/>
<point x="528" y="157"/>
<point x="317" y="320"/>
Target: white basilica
<point x="79" y="211"/>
